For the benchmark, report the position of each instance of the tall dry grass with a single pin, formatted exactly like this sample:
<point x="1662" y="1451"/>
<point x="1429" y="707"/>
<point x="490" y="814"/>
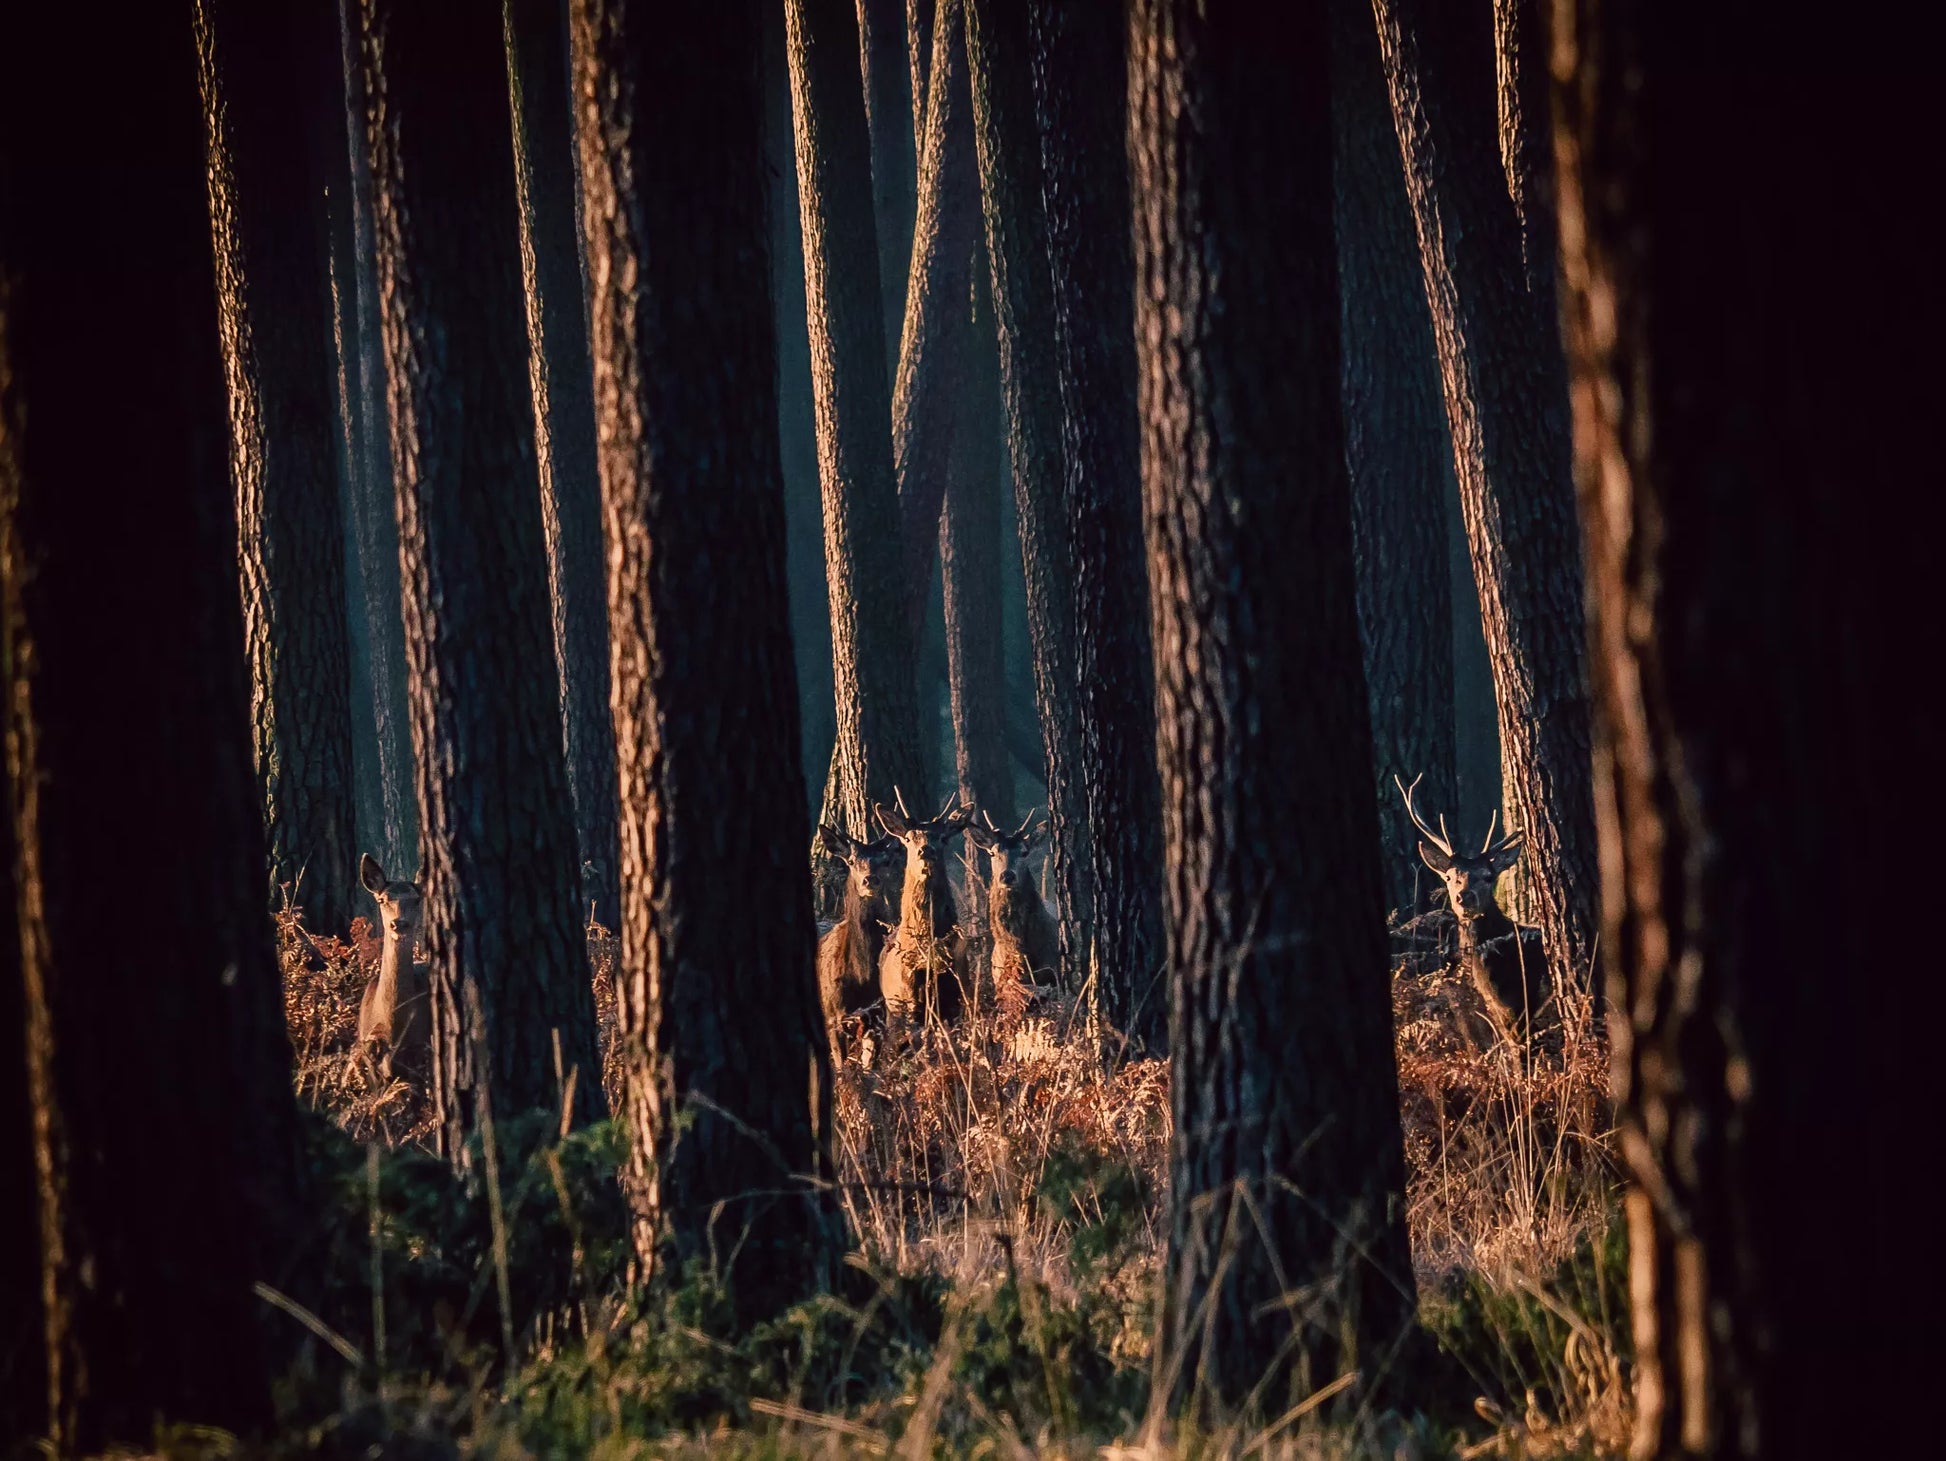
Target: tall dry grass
<point x="1023" y="1161"/>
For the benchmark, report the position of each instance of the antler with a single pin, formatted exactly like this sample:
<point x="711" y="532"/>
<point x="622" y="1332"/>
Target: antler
<point x="1021" y="831"/>
<point x="1508" y="839"/>
<point x="1440" y="839"/>
<point x="899" y="794"/>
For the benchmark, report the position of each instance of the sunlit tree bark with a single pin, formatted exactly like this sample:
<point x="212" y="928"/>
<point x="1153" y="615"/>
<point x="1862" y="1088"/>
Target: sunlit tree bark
<point x="725" y="1052"/>
<point x="1287" y="1262"/>
<point x="504" y="931"/>
<point x="999" y="54"/>
<point x="1753" y="323"/>
<point x="164" y="1129"/>
<point x="1397" y="451"/>
<point x="564" y="429"/>
<point x="1506" y="411"/>
<point x="895" y="163"/>
<point x="877" y="752"/>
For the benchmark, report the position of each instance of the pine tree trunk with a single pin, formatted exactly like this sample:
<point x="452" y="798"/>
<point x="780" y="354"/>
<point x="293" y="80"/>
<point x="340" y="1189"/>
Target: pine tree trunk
<point x="1755" y="362"/>
<point x="895" y="164"/>
<point x="1080" y="94"/>
<point x="931" y="378"/>
<point x="969" y="567"/>
<point x="1526" y="139"/>
<point x="1506" y="409"/>
<point x="719" y="1008"/>
<point x="999" y="53"/>
<point x="1287" y="1169"/>
<point x="503" y="926"/>
<point x="1398" y="454"/>
<point x="919" y="19"/>
<point x="23" y="1362"/>
<point x="160" y="1079"/>
<point x="374" y="509"/>
<point x="274" y="306"/>
<point x="877" y="753"/>
<point x="564" y="425"/>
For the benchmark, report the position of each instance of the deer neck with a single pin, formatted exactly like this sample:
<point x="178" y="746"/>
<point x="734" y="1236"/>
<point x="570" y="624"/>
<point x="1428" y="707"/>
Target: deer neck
<point x="1479" y="929"/>
<point x="397" y="974"/>
<point x="926" y="910"/>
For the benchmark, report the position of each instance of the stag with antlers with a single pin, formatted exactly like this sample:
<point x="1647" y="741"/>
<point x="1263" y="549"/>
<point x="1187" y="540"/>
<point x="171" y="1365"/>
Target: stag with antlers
<point x="1501" y="958"/>
<point x="919" y="971"/>
<point x="1025" y="949"/>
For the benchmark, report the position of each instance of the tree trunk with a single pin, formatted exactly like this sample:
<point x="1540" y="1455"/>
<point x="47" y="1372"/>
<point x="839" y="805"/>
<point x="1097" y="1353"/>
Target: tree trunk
<point x="1398" y="454"/>
<point x="374" y="507"/>
<point x="1080" y="93"/>
<point x="930" y="382"/>
<point x="503" y="928"/>
<point x="969" y="566"/>
<point x="919" y="17"/>
<point x="274" y="307"/>
<point x="999" y="52"/>
<point x="1526" y="141"/>
<point x="719" y="1008"/>
<point x="895" y="164"/>
<point x="877" y="753"/>
<point x="1506" y="410"/>
<point x="1287" y="1168"/>
<point x="564" y="429"/>
<point x="1755" y="361"/>
<point x="23" y="1362"/>
<point x="159" y="1071"/>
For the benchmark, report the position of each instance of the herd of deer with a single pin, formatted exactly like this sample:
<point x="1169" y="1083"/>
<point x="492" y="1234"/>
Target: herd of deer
<point x="899" y="952"/>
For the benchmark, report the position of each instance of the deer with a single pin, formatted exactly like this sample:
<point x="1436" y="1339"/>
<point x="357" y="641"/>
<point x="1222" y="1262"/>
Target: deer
<point x="392" y="1014"/>
<point x="848" y="955"/>
<point x="918" y="971"/>
<point x="1502" y="959"/>
<point x="1024" y="942"/>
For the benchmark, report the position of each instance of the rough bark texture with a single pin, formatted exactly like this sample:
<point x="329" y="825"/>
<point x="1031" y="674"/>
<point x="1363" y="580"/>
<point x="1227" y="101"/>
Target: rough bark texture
<point x="1506" y="409"/>
<point x="1747" y="431"/>
<point x="1287" y="1169"/>
<point x="1398" y="454"/>
<point x="158" y="1069"/>
<point x="926" y="392"/>
<point x="895" y="163"/>
<point x="373" y="508"/>
<point x="969" y="566"/>
<point x="1526" y="139"/>
<point x="999" y="53"/>
<point x="727" y="1066"/>
<point x="877" y="751"/>
<point x="273" y="300"/>
<point x="564" y="429"/>
<point x="502" y="897"/>
<point x="23" y="1367"/>
<point x="1080" y="94"/>
<point x="919" y="16"/>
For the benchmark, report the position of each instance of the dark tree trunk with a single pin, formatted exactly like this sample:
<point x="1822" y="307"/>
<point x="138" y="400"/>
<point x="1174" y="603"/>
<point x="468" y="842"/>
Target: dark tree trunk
<point x="1080" y="93"/>
<point x="23" y="1360"/>
<point x="895" y="164"/>
<point x="564" y="429"/>
<point x="797" y="419"/>
<point x="1398" y="454"/>
<point x="274" y="305"/>
<point x="373" y="507"/>
<point x="1287" y="1169"/>
<point x="969" y="567"/>
<point x="1755" y="358"/>
<point x="719" y="1007"/>
<point x="918" y="52"/>
<point x="877" y="752"/>
<point x="926" y="392"/>
<point x="1506" y="409"/>
<point x="159" y="1071"/>
<point x="503" y="928"/>
<point x="999" y="48"/>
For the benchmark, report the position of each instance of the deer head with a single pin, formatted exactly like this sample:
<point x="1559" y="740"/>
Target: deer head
<point x="1008" y="852"/>
<point x="1469" y="878"/>
<point x="401" y="907"/>
<point x="864" y="863"/>
<point x="925" y="842"/>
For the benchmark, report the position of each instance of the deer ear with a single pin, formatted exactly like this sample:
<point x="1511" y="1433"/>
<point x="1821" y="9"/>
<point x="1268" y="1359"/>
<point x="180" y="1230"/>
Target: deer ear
<point x="979" y="837"/>
<point x="890" y="820"/>
<point x="832" y="840"/>
<point x="1506" y="854"/>
<point x="371" y="874"/>
<point x="1433" y="858"/>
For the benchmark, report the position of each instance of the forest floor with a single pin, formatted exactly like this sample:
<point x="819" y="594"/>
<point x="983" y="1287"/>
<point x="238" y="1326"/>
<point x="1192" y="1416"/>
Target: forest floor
<point x="1003" y="1187"/>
